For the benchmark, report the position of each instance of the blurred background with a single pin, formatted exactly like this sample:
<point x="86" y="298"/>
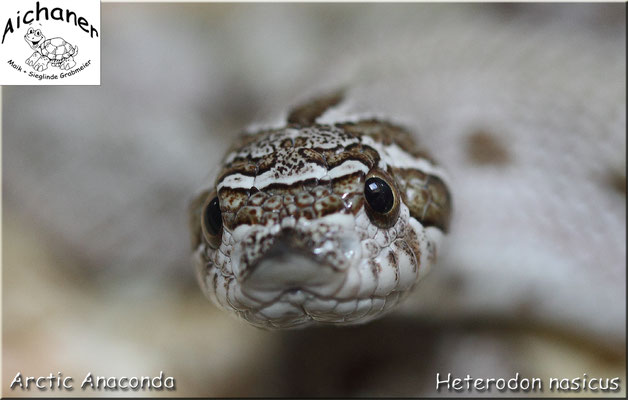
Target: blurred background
<point x="97" y="275"/>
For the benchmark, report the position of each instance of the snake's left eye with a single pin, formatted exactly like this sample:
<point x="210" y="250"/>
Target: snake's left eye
<point x="211" y="221"/>
<point x="379" y="195"/>
<point x="382" y="198"/>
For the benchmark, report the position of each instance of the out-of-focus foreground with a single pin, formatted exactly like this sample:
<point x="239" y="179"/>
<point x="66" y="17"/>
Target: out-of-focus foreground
<point x="96" y="270"/>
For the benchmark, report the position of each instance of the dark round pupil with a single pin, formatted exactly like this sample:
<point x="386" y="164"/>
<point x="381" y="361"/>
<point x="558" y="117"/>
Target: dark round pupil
<point x="213" y="217"/>
<point x="379" y="195"/>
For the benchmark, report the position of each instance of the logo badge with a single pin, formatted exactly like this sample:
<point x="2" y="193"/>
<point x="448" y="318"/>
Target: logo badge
<point x="50" y="42"/>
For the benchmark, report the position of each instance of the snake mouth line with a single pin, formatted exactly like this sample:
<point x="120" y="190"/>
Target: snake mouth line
<point x="357" y="310"/>
<point x="292" y="307"/>
<point x="257" y="299"/>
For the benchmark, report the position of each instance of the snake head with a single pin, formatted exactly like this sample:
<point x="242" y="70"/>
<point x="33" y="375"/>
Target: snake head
<point x="319" y="224"/>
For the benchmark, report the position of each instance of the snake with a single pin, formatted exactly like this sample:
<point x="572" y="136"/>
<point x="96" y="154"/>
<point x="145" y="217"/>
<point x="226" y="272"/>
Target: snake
<point x="310" y="222"/>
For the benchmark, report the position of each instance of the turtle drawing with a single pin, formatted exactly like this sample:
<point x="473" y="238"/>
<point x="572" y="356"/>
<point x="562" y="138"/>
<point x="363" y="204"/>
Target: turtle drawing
<point x="56" y="51"/>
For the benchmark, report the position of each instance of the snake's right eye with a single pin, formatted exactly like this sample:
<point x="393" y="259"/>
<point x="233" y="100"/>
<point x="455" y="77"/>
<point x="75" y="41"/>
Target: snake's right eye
<point x="212" y="221"/>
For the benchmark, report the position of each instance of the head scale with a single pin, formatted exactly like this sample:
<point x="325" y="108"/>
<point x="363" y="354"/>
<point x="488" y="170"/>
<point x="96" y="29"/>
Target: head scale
<point x="319" y="223"/>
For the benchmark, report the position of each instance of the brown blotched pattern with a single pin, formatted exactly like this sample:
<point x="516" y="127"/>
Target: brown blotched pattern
<point x="485" y="148"/>
<point x="308" y="200"/>
<point x="426" y="196"/>
<point x="307" y="113"/>
<point x="276" y="155"/>
<point x="387" y="134"/>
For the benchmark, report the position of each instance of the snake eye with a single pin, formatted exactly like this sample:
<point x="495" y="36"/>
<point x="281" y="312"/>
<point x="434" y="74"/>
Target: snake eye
<point x="382" y="198"/>
<point x="212" y="221"/>
<point x="379" y="195"/>
<point x="213" y="217"/>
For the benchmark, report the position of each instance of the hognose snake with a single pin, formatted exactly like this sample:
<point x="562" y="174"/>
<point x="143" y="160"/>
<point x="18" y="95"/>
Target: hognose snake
<point x="319" y="222"/>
